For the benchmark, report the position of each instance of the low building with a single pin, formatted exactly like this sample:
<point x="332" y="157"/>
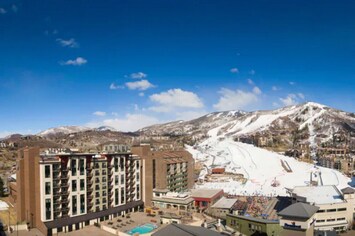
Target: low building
<point x="298" y="219"/>
<point x="218" y="171"/>
<point x="170" y="218"/>
<point x="336" y="208"/>
<point x="185" y="230"/>
<point x="205" y="198"/>
<point x="170" y="200"/>
<point x="247" y="225"/>
<point x="222" y="207"/>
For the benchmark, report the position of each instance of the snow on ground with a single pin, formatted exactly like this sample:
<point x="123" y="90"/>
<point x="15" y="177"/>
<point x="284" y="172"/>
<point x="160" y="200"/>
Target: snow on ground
<point x="261" y="167"/>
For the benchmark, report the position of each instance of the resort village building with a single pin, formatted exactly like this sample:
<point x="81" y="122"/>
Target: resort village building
<point x="336" y="208"/>
<point x="62" y="192"/>
<point x="166" y="171"/>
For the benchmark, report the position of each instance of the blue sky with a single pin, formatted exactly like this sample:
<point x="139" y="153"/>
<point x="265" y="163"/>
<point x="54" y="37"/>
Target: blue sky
<point x="129" y="64"/>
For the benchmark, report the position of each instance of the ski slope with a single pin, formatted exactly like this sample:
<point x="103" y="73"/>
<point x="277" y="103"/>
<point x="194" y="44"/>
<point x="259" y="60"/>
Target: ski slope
<point x="261" y="167"/>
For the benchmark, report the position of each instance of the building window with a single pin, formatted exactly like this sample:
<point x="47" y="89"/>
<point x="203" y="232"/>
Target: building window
<point x="116" y="180"/>
<point x="82" y="203"/>
<point x="341" y="209"/>
<point x="82" y="185"/>
<point x="48" y="188"/>
<point x="73" y="167"/>
<point x="122" y="179"/>
<point x="82" y="167"/>
<point x="122" y="195"/>
<point x="115" y="163"/>
<point x="74" y="205"/>
<point x="116" y="196"/>
<point x="137" y="176"/>
<point x="73" y="185"/>
<point x="47" y="171"/>
<point x="48" y="209"/>
<point x="122" y="164"/>
<point x="138" y="192"/>
<point x="137" y="165"/>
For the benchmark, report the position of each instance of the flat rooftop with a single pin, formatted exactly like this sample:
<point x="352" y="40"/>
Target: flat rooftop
<point x="326" y="194"/>
<point x="205" y="193"/>
<point x="225" y="203"/>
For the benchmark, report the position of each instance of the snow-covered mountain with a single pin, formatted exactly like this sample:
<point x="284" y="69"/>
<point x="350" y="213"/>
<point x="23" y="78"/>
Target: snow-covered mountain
<point x="105" y="128"/>
<point x="62" y="130"/>
<point x="310" y="122"/>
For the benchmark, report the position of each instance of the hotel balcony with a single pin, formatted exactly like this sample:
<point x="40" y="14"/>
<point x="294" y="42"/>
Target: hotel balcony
<point x="64" y="177"/>
<point x="64" y="200"/>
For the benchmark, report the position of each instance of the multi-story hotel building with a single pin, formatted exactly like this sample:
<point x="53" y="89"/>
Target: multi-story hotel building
<point x="164" y="171"/>
<point x="67" y="191"/>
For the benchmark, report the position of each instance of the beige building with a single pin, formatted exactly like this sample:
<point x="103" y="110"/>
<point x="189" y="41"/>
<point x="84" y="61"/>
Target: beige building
<point x="63" y="192"/>
<point x="164" y="170"/>
<point x="298" y="219"/>
<point x="336" y="208"/>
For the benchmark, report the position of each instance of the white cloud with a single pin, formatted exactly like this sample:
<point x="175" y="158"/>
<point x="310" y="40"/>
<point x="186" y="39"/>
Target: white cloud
<point x="139" y="85"/>
<point x="252" y="72"/>
<point x="256" y="90"/>
<point x="138" y="75"/>
<point x="275" y="88"/>
<point x="232" y="100"/>
<point x="2" y="11"/>
<point x="113" y="86"/>
<point x="130" y="122"/>
<point x="99" y="113"/>
<point x="250" y="81"/>
<point x="301" y="95"/>
<point x="141" y="94"/>
<point x="275" y="104"/>
<point x="14" y="8"/>
<point x="70" y="43"/>
<point x="175" y="98"/>
<point x="76" y="62"/>
<point x="234" y="70"/>
<point x="291" y="99"/>
<point x="292" y="83"/>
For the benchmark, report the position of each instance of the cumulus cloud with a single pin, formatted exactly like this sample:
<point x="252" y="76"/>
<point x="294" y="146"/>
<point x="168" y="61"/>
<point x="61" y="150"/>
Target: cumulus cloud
<point x="99" y="113"/>
<point x="250" y="81"/>
<point x="137" y="75"/>
<point x="301" y="95"/>
<point x="139" y="85"/>
<point x="256" y="90"/>
<point x="130" y="122"/>
<point x="76" y="62"/>
<point x="70" y="43"/>
<point x="238" y="99"/>
<point x="292" y="83"/>
<point x="290" y="100"/>
<point x="175" y="98"/>
<point x="252" y="72"/>
<point x="275" y="88"/>
<point x="2" y="11"/>
<point x="141" y="94"/>
<point x="113" y="86"/>
<point x="234" y="70"/>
